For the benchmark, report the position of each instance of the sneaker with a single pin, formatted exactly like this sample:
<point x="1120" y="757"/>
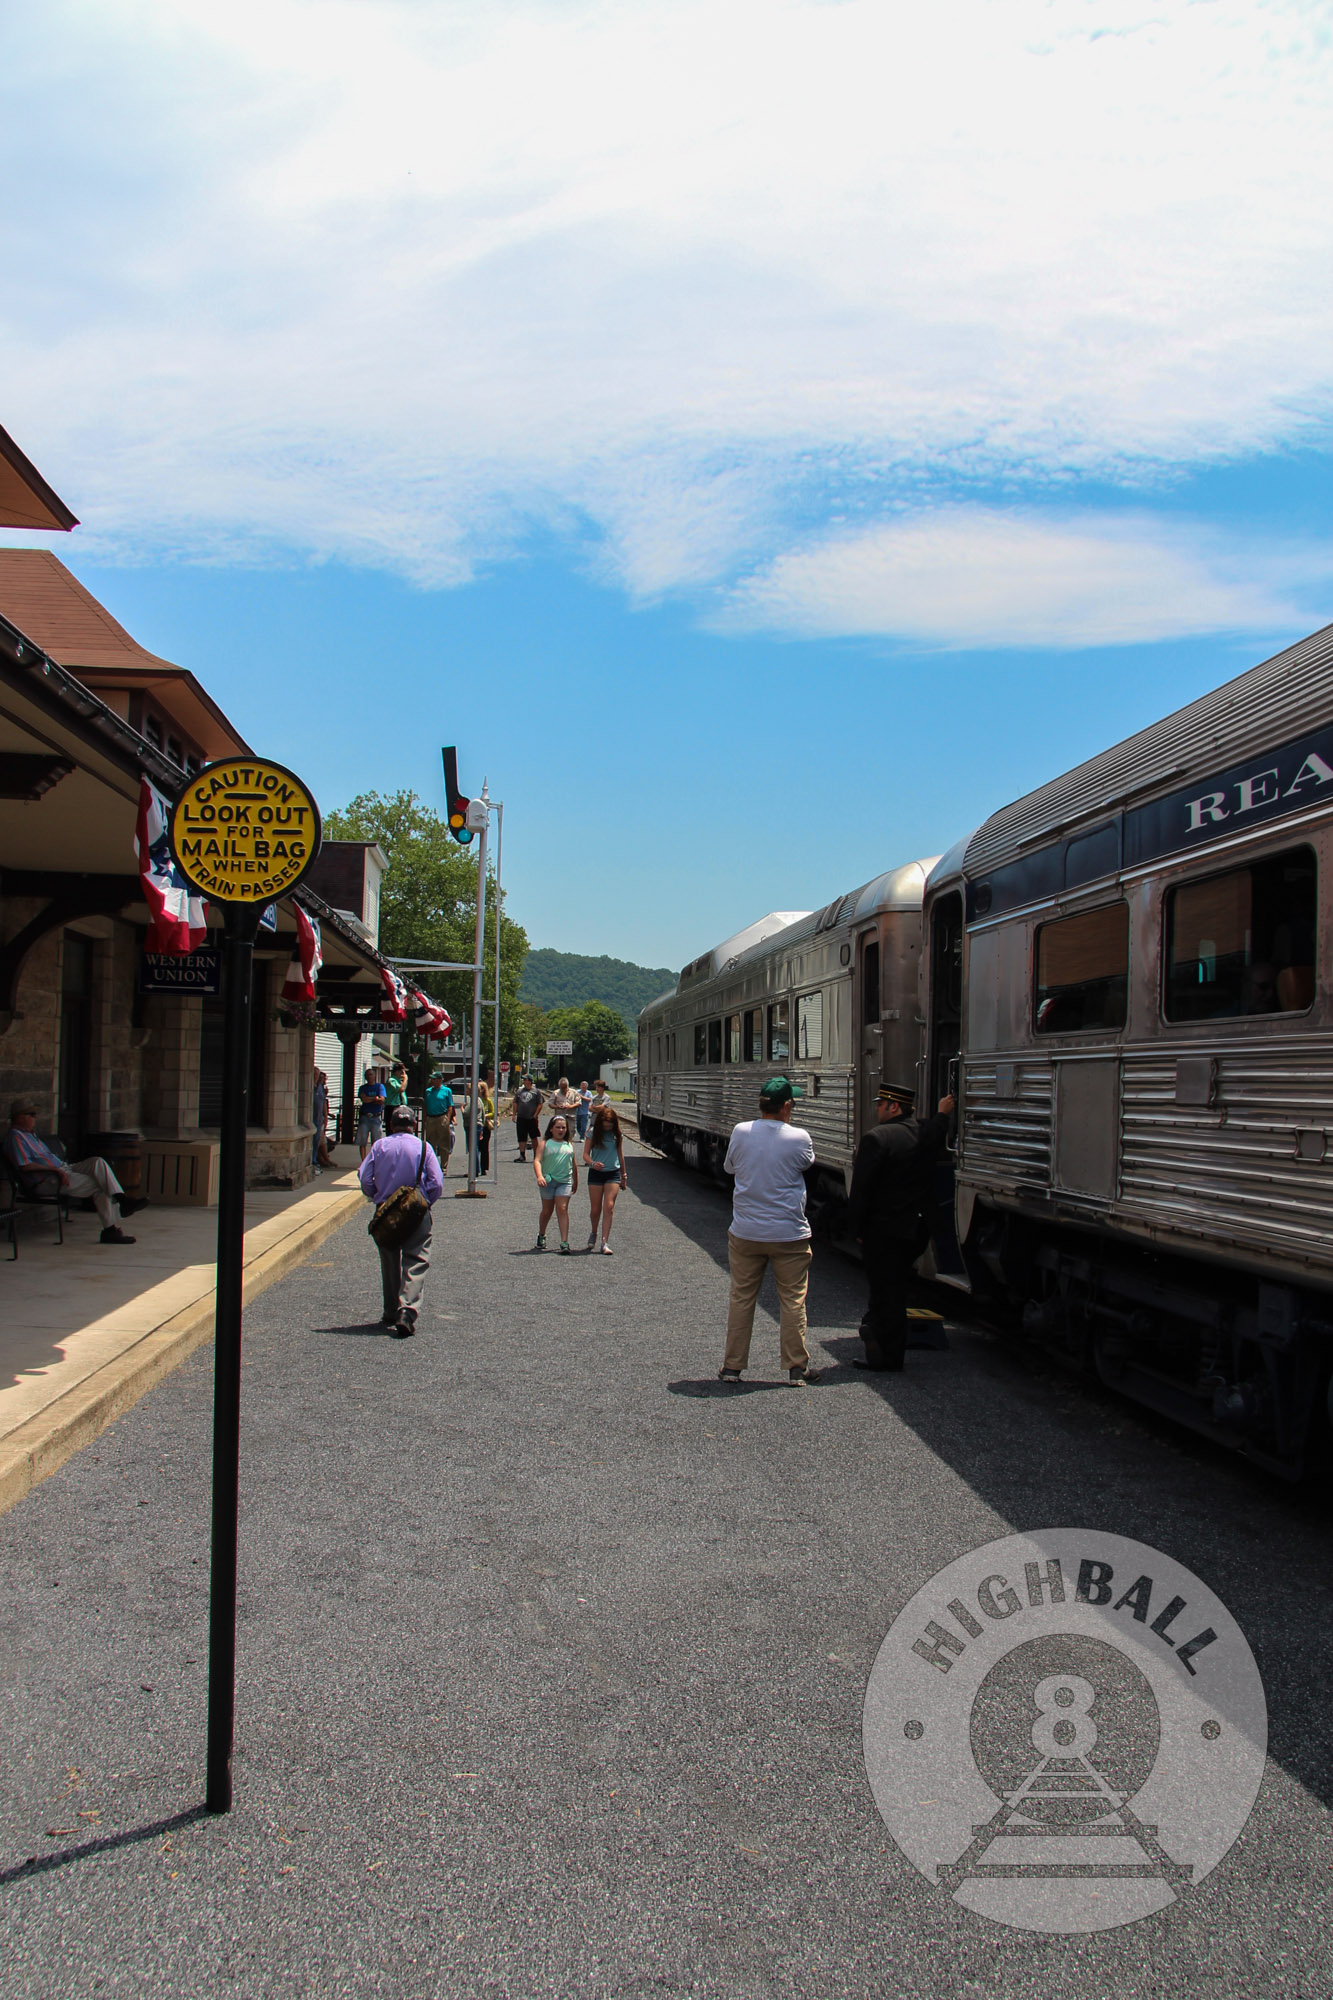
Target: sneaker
<point x="564" y="1248"/>
<point x="800" y="1378"/>
<point x="728" y="1374"/>
<point x="404" y="1329"/>
<point x="541" y="1242"/>
<point x="607" y="1251"/>
<point x="592" y="1240"/>
<point x="114" y="1235"/>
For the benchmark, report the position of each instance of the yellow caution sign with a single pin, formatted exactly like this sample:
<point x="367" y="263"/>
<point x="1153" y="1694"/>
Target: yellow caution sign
<point x="244" y="830"/>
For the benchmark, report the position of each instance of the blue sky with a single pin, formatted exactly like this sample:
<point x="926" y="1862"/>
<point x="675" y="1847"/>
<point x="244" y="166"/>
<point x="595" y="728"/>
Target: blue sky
<point x="764" y="437"/>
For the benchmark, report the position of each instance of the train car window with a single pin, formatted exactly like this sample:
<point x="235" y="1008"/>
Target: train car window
<point x="1083" y="972"/>
<point x="870" y="1000"/>
<point x="733" y="1038"/>
<point x="1244" y="942"/>
<point x="809" y="1027"/>
<point x="701" y="1041"/>
<point x="754" y="1035"/>
<point x="779" y="1031"/>
<point x="714" y="1041"/>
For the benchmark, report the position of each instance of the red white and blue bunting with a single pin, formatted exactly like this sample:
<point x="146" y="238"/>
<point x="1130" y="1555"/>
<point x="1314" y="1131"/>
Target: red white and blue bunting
<point x="176" y="913"/>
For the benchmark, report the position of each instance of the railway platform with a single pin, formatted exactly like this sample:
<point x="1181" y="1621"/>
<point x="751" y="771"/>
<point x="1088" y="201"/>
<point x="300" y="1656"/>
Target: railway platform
<point x="553" y="1650"/>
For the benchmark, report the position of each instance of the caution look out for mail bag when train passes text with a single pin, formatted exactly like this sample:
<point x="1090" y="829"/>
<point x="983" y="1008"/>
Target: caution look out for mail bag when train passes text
<point x="244" y="830"/>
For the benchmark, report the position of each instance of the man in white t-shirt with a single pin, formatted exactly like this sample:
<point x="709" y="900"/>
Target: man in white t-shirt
<point x="769" y="1157"/>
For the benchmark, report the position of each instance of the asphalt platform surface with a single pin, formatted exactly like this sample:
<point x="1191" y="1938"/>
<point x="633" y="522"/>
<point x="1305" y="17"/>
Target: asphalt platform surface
<point x="552" y="1651"/>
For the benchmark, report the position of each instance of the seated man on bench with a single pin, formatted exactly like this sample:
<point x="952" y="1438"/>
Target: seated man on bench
<point x="81" y="1179"/>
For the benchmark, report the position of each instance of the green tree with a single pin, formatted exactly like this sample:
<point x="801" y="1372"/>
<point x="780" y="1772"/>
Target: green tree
<point x="428" y="907"/>
<point x="598" y="1033"/>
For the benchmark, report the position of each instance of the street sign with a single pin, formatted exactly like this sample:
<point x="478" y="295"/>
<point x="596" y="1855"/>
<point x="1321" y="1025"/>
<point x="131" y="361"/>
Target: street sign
<point x="244" y="831"/>
<point x="560" y="1048"/>
<point x="180" y="971"/>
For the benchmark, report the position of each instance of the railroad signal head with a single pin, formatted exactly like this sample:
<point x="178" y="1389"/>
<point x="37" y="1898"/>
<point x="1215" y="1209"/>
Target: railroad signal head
<point x="458" y="805"/>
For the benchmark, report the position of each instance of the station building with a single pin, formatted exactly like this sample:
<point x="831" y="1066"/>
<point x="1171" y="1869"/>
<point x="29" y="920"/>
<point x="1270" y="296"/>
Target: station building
<point x="115" y="1065"/>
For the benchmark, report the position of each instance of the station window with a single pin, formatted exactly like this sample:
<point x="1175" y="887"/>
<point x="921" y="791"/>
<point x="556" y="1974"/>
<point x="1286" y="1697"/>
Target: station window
<point x="754" y="1035"/>
<point x="779" y="1031"/>
<point x="809" y="1027"/>
<point x="1083" y="971"/>
<point x="733" y="1038"/>
<point x="1244" y="942"/>
<point x="701" y="1041"/>
<point x="714" y="1041"/>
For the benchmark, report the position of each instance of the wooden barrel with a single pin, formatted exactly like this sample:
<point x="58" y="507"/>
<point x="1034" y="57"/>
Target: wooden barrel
<point x="123" y="1153"/>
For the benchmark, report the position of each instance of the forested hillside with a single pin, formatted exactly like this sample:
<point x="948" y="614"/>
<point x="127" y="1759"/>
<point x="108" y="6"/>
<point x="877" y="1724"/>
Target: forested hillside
<point x="564" y="979"/>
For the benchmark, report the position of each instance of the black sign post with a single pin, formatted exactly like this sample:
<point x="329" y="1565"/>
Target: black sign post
<point x="241" y="923"/>
<point x="243" y="832"/>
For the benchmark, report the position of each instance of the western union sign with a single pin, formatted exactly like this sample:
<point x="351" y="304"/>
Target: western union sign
<point x="244" y="830"/>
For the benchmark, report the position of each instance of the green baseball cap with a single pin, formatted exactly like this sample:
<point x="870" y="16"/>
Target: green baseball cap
<point x="779" y="1091"/>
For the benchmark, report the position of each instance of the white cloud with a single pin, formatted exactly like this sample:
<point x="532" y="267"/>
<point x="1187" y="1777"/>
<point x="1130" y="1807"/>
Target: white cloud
<point x="972" y="576"/>
<point x="396" y="281"/>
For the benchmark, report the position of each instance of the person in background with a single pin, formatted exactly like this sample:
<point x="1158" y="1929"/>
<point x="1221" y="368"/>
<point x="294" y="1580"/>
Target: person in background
<point x="557" y="1177"/>
<point x="889" y="1208"/>
<point x="585" y="1107"/>
<point x="601" y="1097"/>
<point x="395" y="1090"/>
<point x="527" y="1111"/>
<point x="85" y="1180"/>
<point x="370" y="1111"/>
<point x="319" y="1118"/>
<point x="769" y="1157"/>
<point x="565" y="1100"/>
<point x="604" y="1157"/>
<point x="390" y="1164"/>
<point x="485" y="1125"/>
<point x="439" y="1126"/>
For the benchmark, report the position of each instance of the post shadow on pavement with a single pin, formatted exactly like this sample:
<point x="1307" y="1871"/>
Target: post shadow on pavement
<point x="1042" y="1447"/>
<point x="364" y="1327"/>
<point x="107" y="1843"/>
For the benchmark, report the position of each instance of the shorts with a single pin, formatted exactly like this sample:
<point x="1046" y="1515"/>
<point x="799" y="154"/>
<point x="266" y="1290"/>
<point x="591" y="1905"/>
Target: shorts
<point x="528" y="1132"/>
<point x="602" y="1176"/>
<point x="369" y="1128"/>
<point x="556" y="1190"/>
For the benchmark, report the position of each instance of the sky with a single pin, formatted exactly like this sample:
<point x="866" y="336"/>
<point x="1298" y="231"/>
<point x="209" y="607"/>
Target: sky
<point x="765" y="435"/>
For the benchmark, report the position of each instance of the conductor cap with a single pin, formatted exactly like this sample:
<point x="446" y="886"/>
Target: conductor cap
<point x="896" y="1093"/>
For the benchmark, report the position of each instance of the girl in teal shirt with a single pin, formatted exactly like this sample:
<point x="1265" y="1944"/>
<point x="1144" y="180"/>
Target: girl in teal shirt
<point x="557" y="1177"/>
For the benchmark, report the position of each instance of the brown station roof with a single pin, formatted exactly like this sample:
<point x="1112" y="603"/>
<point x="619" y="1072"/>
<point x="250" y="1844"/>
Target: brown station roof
<point x="26" y="501"/>
<point x="49" y="604"/>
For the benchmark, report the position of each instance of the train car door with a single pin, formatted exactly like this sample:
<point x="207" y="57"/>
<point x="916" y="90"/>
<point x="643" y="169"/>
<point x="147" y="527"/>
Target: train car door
<point x="944" y="1064"/>
<point x="870" y="1029"/>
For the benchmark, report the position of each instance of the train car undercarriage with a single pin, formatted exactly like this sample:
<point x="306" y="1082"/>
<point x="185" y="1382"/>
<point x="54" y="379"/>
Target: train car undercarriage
<point x="1241" y="1357"/>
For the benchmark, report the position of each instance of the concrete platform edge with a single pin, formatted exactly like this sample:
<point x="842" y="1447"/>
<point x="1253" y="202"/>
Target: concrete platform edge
<point x="42" y="1445"/>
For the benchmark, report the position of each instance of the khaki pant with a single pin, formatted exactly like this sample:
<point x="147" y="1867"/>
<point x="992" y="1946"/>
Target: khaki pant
<point x="791" y="1268"/>
<point x="92" y="1180"/>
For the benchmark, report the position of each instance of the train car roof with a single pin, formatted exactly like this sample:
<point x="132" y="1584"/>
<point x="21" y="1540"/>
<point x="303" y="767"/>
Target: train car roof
<point x="949" y="867"/>
<point x="1263" y="707"/>
<point x="710" y="963"/>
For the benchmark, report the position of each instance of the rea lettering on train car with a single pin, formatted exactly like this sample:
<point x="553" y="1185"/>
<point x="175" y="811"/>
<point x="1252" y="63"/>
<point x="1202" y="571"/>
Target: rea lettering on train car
<point x="1280" y="781"/>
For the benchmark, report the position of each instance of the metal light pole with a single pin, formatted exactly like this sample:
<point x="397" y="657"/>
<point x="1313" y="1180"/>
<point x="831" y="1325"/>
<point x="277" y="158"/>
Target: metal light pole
<point x="499" y="850"/>
<point x="479" y="818"/>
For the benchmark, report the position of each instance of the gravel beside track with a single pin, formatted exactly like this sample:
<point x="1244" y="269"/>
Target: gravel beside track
<point x="553" y="1650"/>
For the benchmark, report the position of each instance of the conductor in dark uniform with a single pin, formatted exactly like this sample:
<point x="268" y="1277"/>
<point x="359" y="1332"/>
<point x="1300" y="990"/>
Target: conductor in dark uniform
<point x="891" y="1201"/>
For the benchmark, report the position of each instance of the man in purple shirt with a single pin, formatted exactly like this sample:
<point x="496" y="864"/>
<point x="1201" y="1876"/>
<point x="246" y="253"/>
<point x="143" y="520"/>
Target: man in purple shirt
<point x="392" y="1163"/>
<point x="86" y="1180"/>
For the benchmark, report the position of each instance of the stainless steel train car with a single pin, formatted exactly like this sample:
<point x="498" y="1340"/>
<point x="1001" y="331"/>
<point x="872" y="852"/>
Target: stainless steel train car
<point x="1130" y="974"/>
<point x="1127" y="980"/>
<point x="828" y="997"/>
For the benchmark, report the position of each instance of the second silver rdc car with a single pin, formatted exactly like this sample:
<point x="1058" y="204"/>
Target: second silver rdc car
<point x="1126" y="976"/>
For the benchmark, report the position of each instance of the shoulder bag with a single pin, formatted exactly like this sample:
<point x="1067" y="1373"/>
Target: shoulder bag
<point x="400" y="1214"/>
